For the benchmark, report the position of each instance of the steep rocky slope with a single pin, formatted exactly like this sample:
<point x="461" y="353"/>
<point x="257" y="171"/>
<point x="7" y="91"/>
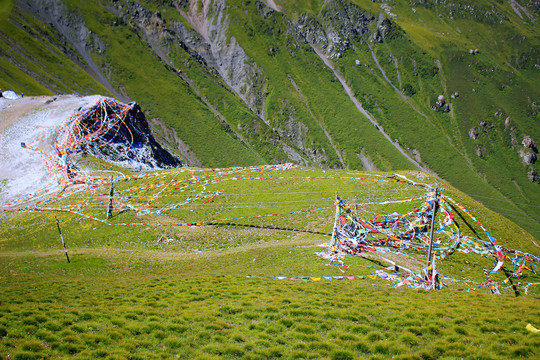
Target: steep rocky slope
<point x="449" y="87"/>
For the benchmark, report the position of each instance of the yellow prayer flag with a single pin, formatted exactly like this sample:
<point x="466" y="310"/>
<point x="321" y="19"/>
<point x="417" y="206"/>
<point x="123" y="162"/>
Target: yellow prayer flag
<point x="532" y="329"/>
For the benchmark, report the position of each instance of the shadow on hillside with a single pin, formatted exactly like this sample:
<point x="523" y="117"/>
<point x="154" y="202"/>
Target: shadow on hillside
<point x="464" y="220"/>
<point x="271" y="228"/>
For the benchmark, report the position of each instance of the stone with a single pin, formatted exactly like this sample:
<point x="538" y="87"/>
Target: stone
<point x="528" y="157"/>
<point x="487" y="125"/>
<point x="528" y="142"/>
<point x="473" y="133"/>
<point x="480" y="151"/>
<point x="533" y="176"/>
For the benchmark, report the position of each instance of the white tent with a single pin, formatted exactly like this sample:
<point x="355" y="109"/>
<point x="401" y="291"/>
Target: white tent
<point x="11" y="95"/>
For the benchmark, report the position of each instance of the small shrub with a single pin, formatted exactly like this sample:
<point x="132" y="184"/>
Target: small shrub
<point x="416" y="330"/>
<point x="115" y="335"/>
<point x="131" y="316"/>
<point x="409" y="339"/>
<point x="71" y="349"/>
<point x="232" y="350"/>
<point x="71" y="339"/>
<point x="24" y="355"/>
<point x="118" y="322"/>
<point x="273" y="353"/>
<point x="428" y="355"/>
<point x="77" y="328"/>
<point x="362" y="347"/>
<point x="274" y="329"/>
<point x="219" y="339"/>
<point x="287" y="322"/>
<point x="160" y="335"/>
<point x="460" y="330"/>
<point x="342" y="355"/>
<point x="30" y="321"/>
<point x="215" y="349"/>
<point x="238" y="338"/>
<point x="134" y="330"/>
<point x="99" y="353"/>
<point x="34" y="346"/>
<point x="360" y="329"/>
<point x="347" y="336"/>
<point x="434" y="330"/>
<point x="173" y="342"/>
<point x="320" y="345"/>
<point x="522" y="351"/>
<point x="52" y="326"/>
<point x="229" y="310"/>
<point x="178" y="329"/>
<point x="86" y="316"/>
<point x="305" y="329"/>
<point x="382" y="348"/>
<point x="375" y="335"/>
<point x="299" y="355"/>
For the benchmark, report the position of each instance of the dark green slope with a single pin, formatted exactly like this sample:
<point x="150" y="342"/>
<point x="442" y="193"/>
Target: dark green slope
<point x="242" y="83"/>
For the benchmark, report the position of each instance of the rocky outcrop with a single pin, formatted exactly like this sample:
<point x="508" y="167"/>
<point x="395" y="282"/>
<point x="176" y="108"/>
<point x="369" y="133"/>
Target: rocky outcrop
<point x="528" y="157"/>
<point x="209" y="43"/>
<point x="533" y="176"/>
<point x="480" y="151"/>
<point x="222" y="51"/>
<point x="384" y="28"/>
<point x="486" y="126"/>
<point x="529" y="143"/>
<point x="441" y="105"/>
<point x="117" y="133"/>
<point x="529" y="151"/>
<point x="339" y="23"/>
<point x="473" y="133"/>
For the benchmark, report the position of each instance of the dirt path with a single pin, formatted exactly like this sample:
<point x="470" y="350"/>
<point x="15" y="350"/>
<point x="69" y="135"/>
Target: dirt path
<point x="13" y="110"/>
<point x="364" y="112"/>
<point x="273" y="5"/>
<point x="304" y="100"/>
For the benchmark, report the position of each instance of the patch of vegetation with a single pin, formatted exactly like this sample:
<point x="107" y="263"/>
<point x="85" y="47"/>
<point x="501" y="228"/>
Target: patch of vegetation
<point x="163" y="291"/>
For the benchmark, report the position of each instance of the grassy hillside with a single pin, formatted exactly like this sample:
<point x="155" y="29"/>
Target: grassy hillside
<point x="280" y="102"/>
<point x="152" y="290"/>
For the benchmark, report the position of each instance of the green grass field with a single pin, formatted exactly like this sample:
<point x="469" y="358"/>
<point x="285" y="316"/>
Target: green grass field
<point x="147" y="291"/>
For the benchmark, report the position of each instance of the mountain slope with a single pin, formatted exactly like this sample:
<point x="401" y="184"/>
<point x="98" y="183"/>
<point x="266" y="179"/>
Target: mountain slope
<point x="449" y="87"/>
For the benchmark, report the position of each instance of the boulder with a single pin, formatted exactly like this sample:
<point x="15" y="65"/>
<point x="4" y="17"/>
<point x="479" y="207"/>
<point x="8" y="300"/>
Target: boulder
<point x="481" y="151"/>
<point x="532" y="175"/>
<point x="473" y="133"/>
<point x="529" y="143"/>
<point x="528" y="157"/>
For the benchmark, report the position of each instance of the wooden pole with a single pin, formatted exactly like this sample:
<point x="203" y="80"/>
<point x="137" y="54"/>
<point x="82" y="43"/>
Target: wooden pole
<point x="62" y="238"/>
<point x="110" y="208"/>
<point x="432" y="228"/>
<point x="336" y="219"/>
